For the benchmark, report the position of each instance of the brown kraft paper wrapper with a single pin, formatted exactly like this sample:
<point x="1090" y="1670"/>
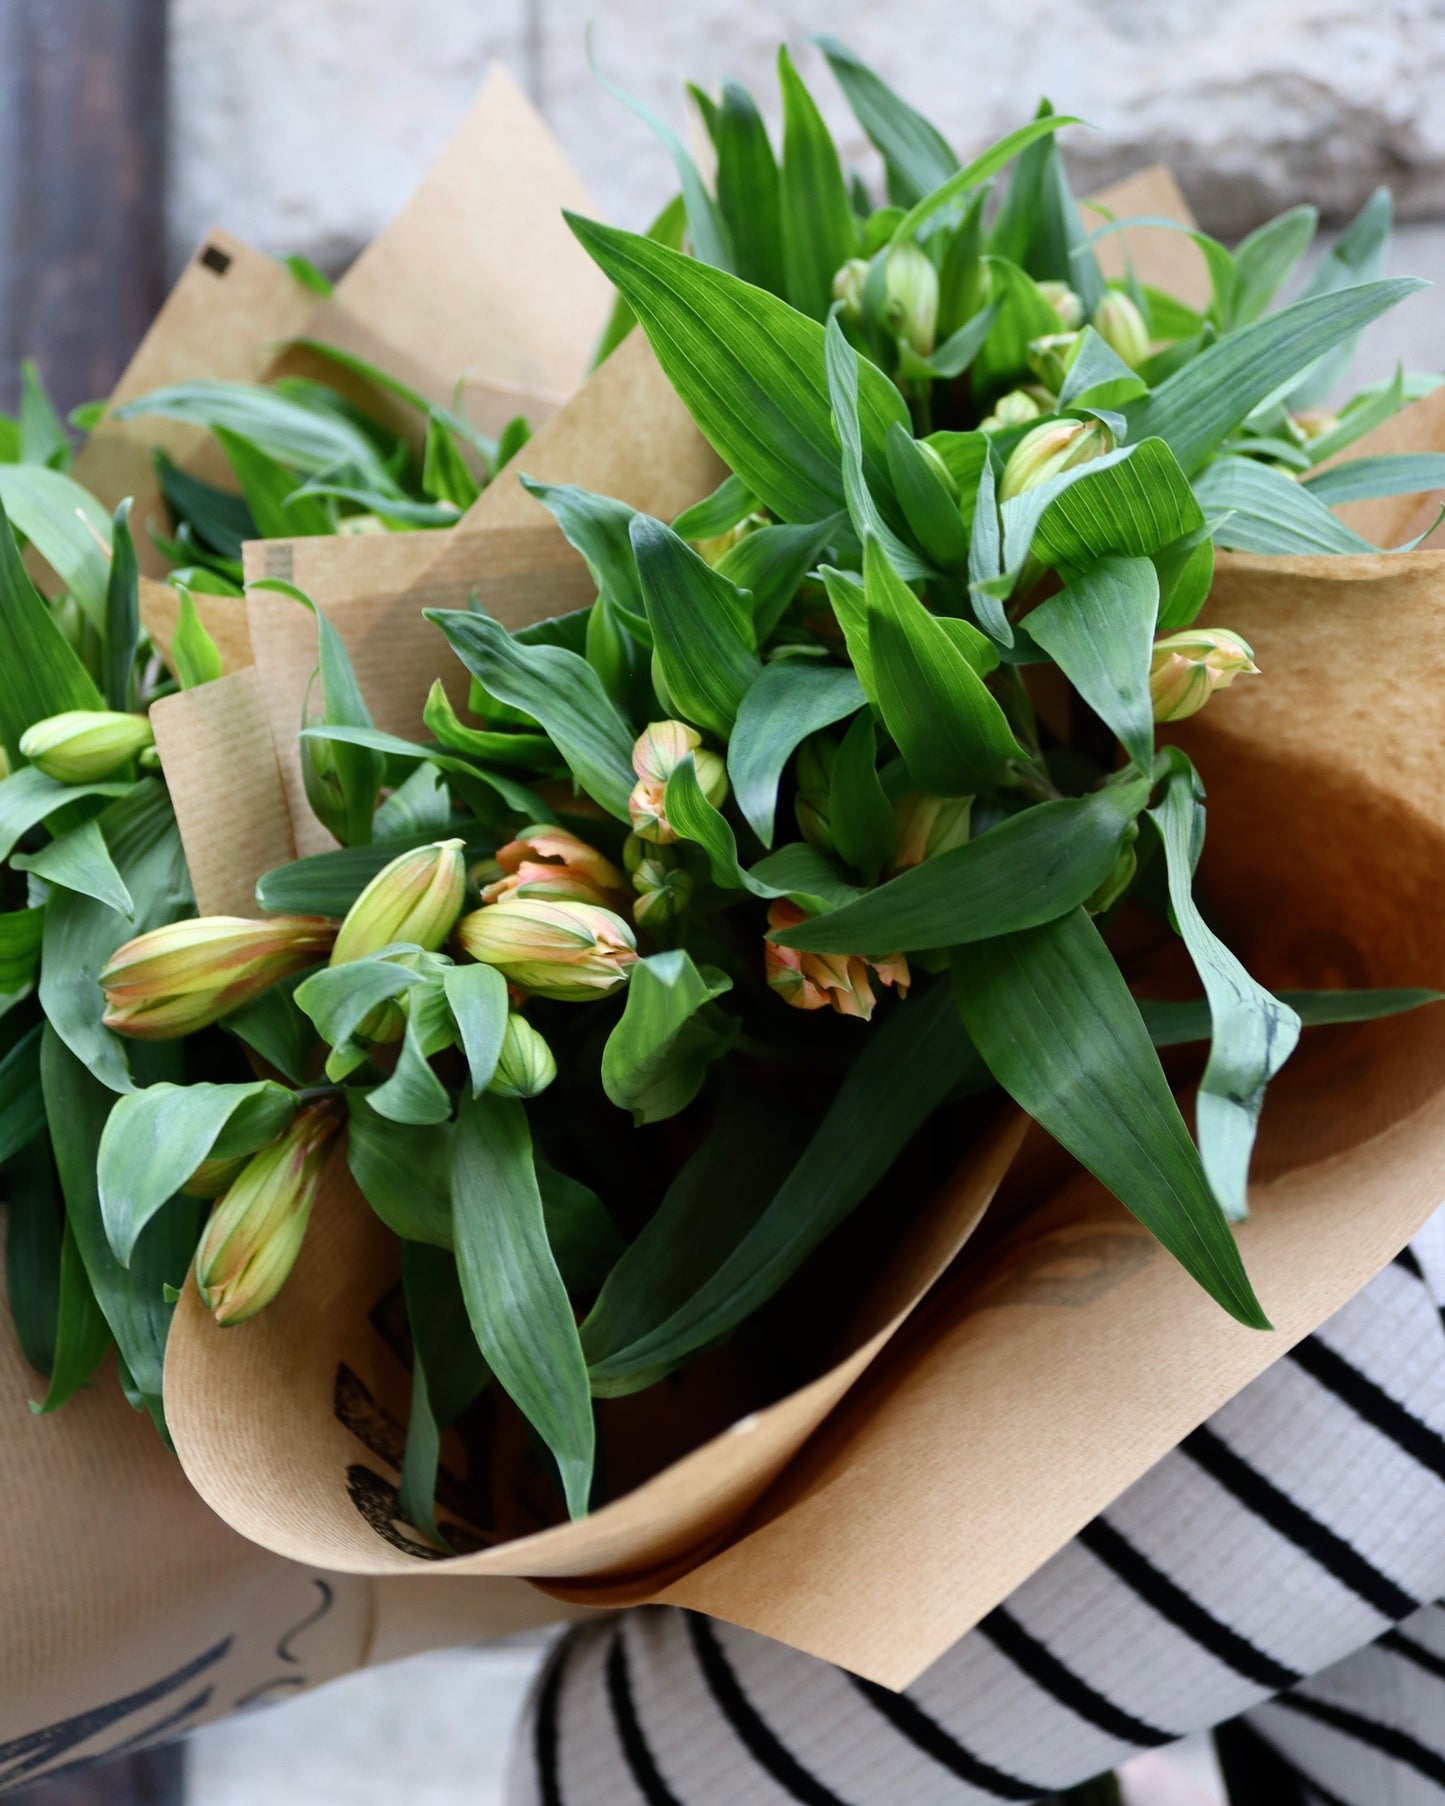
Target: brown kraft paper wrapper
<point x="981" y="1437"/>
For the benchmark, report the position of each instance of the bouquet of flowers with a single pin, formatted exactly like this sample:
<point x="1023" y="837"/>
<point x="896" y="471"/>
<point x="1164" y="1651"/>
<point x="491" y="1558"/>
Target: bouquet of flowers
<point x="643" y="1002"/>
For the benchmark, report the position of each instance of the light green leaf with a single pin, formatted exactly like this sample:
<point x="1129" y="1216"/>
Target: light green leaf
<point x="1098" y="377"/>
<point x="1030" y="869"/>
<point x="561" y="690"/>
<point x="518" y="1305"/>
<point x="788" y="702"/>
<point x="414" y="1093"/>
<point x="67" y="526"/>
<point x="1264" y="260"/>
<point x="122" y="612"/>
<point x="1362" y="479"/>
<point x="43" y="438"/>
<point x="1270" y="512"/>
<point x="280" y="506"/>
<point x="1172" y="1024"/>
<point x="195" y="655"/>
<point x="308" y="439"/>
<point x="445" y="475"/>
<point x="702" y="627"/>
<point x="155" y="1139"/>
<point x="1132" y="501"/>
<point x="1099" y="631"/>
<point x="917" y="156"/>
<point x="1357" y="256"/>
<point x="1253" y="1032"/>
<point x="28" y="797"/>
<point x="979" y="170"/>
<point x="79" y="860"/>
<point x="818" y="227"/>
<point x="338" y="999"/>
<point x="419" y="807"/>
<point x="477" y="998"/>
<point x="1049" y="1011"/>
<point x="657" y="1056"/>
<point x="1024" y="314"/>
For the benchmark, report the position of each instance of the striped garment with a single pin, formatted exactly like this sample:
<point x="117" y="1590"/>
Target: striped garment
<point x="1279" y="1568"/>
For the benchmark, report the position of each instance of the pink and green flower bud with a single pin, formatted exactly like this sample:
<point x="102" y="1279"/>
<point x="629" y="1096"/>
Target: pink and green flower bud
<point x="1016" y="408"/>
<point x="546" y="861"/>
<point x="1049" y="450"/>
<point x="181" y="977"/>
<point x="255" y="1232"/>
<point x="1187" y="668"/>
<point x="525" y="1066"/>
<point x="85" y="746"/>
<point x="660" y="749"/>
<point x="929" y="824"/>
<point x="1051" y="356"/>
<point x="818" y="981"/>
<point x="416" y="899"/>
<point x="1120" y="325"/>
<point x="663" y="888"/>
<point x="1065" y="303"/>
<point x="849" y="283"/>
<point x="574" y="952"/>
<point x="910" y="296"/>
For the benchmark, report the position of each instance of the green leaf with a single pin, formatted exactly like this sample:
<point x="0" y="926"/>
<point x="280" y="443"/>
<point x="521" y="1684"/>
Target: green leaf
<point x="1133" y="502"/>
<point x="1270" y="512"/>
<point x="869" y="514"/>
<point x="865" y="829"/>
<point x="414" y="1093"/>
<point x="82" y="1335"/>
<point x="931" y="512"/>
<point x="750" y="371"/>
<point x="79" y="860"/>
<point x="327" y="884"/>
<point x="748" y="192"/>
<point x="1098" y="377"/>
<point x="951" y="731"/>
<point x="132" y="1299"/>
<point x="20" y="931"/>
<point x="195" y="655"/>
<point x="43" y="438"/>
<point x="1024" y="314"/>
<point x="788" y="702"/>
<point x="516" y="1300"/>
<point x="917" y="156"/>
<point x="122" y="612"/>
<point x="307" y="439"/>
<point x="1200" y="405"/>
<point x="279" y="505"/>
<point x="598" y="527"/>
<point x="657" y="1056"/>
<point x="1253" y="1032"/>
<point x="338" y="999"/>
<point x="558" y="688"/>
<point x="819" y="231"/>
<point x="705" y="223"/>
<point x="220" y="519"/>
<point x="22" y="1102"/>
<point x="1172" y="1024"/>
<point x="273" y="1027"/>
<point x="300" y="503"/>
<point x="1357" y="256"/>
<point x="403" y="1171"/>
<point x="959" y="349"/>
<point x="1030" y="869"/>
<point x="448" y="1372"/>
<point x="33" y="1238"/>
<point x="1361" y="479"/>
<point x="1099" y="631"/>
<point x="420" y="806"/>
<point x="1264" y="260"/>
<point x="535" y="751"/>
<point x="1051" y="1015"/>
<point x="28" y="797"/>
<point x="477" y="787"/>
<point x="701" y="627"/>
<point x="670" y="229"/>
<point x="583" y="1237"/>
<point x="477" y="997"/>
<point x="39" y="674"/>
<point x="910" y="1062"/>
<point x="728" y="505"/>
<point x="444" y="475"/>
<point x="771" y="562"/>
<point x="155" y="1139"/>
<point x="979" y="170"/>
<point x="81" y="933"/>
<point x="308" y="275"/>
<point x="66" y="525"/>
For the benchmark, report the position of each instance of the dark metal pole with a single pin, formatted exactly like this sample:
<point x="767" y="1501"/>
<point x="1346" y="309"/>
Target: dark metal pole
<point x="82" y="188"/>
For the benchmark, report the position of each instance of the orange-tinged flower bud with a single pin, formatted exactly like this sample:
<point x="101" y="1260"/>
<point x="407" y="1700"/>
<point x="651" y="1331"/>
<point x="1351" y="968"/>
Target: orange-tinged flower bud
<point x="83" y="746"/>
<point x="545" y="861"/>
<point x="814" y="981"/>
<point x="179" y="978"/>
<point x="574" y="952"/>
<point x="1187" y="668"/>
<point x="1049" y="450"/>
<point x="254" y="1233"/>
<point x="1120" y="325"/>
<point x="929" y="824"/>
<point x="661" y="748"/>
<point x="417" y="898"/>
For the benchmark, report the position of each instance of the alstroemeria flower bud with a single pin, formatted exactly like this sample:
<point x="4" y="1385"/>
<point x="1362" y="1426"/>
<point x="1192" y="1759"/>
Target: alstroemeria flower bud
<point x="525" y="1066"/>
<point x="254" y="1234"/>
<point x="1051" y="449"/>
<point x="179" y="978"/>
<point x="815" y="981"/>
<point x="848" y="284"/>
<point x="84" y="746"/>
<point x="571" y="951"/>
<point x="929" y="824"/>
<point x="663" y="888"/>
<point x="1016" y="408"/>
<point x="660" y="749"/>
<point x="1065" y="303"/>
<point x="546" y="861"/>
<point x="1050" y="357"/>
<point x="1187" y="668"/>
<point x="212" y="1176"/>
<point x="1120" y="325"/>
<point x="910" y="296"/>
<point x="417" y="898"/>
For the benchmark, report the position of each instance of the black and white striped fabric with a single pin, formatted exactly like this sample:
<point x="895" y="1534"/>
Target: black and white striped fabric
<point x="1283" y="1563"/>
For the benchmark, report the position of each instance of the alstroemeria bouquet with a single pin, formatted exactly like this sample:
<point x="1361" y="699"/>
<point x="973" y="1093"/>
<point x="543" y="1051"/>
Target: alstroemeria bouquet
<point x="871" y="733"/>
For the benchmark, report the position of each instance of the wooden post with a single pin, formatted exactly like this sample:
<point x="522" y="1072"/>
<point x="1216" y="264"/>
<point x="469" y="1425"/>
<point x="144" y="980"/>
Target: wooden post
<point x="82" y="188"/>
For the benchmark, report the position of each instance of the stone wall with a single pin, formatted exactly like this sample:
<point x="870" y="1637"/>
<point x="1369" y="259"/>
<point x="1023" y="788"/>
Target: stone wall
<point x="302" y="124"/>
